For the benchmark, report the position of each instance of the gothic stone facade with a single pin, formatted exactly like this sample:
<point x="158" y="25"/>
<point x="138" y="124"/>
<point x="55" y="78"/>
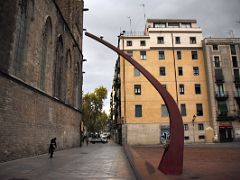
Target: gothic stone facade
<point x="40" y="75"/>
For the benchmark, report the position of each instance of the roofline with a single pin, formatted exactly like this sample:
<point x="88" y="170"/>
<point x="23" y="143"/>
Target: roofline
<point x="221" y="38"/>
<point x="173" y="20"/>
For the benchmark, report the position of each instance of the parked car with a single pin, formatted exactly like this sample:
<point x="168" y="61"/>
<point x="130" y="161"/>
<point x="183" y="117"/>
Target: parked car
<point x="104" y="140"/>
<point x="105" y="134"/>
<point x="96" y="138"/>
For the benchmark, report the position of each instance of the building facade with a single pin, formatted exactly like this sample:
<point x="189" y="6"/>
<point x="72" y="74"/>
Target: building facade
<point x="222" y="66"/>
<point x="40" y="76"/>
<point x="171" y="50"/>
<point x="115" y="106"/>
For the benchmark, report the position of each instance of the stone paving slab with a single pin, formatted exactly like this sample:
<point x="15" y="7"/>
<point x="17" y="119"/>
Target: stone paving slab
<point x="94" y="162"/>
<point x="201" y="161"/>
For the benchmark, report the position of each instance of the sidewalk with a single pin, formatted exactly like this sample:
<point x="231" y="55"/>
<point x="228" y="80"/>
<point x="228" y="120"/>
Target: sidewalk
<point x="93" y="162"/>
<point x="201" y="161"/>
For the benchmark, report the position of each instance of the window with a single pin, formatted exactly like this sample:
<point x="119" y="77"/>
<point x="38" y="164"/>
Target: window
<point x="160" y="40"/>
<point x="222" y="108"/>
<point x="234" y="61"/>
<point x="219" y="90"/>
<point x="129" y="43"/>
<point x="180" y="71"/>
<point x="181" y="88"/>
<point x="217" y="61"/>
<point x="236" y="74"/>
<point x="162" y="71"/>
<point x="159" y="25"/>
<point x="201" y="137"/>
<point x="136" y="72"/>
<point x="193" y="40"/>
<point x="59" y="60"/>
<point x="215" y="47"/>
<point x="200" y="126"/>
<point x="161" y="55"/>
<point x="195" y="71"/>
<point x="164" y="111"/>
<point x="130" y="53"/>
<point x="173" y="25"/>
<point x="219" y="75"/>
<point x="186" y="25"/>
<point x="185" y="126"/>
<point x="137" y="89"/>
<point x="233" y="49"/>
<point x="237" y="87"/>
<point x="45" y="55"/>
<point x="138" y="110"/>
<point x="197" y="89"/>
<point x="177" y="40"/>
<point x="179" y="55"/>
<point x="186" y="137"/>
<point x="142" y="43"/>
<point x="199" y="109"/>
<point x="143" y="55"/>
<point x="183" y="109"/>
<point x="194" y="55"/>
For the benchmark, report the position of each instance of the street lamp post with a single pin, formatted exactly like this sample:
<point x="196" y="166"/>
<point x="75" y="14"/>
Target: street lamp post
<point x="193" y="123"/>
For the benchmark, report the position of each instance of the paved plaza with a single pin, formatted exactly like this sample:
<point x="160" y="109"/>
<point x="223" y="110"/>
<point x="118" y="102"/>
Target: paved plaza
<point x="95" y="161"/>
<point x="108" y="161"/>
<point x="201" y="161"/>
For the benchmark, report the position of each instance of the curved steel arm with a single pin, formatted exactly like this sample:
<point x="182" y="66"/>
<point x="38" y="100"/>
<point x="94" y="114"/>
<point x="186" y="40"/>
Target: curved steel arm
<point x="172" y="159"/>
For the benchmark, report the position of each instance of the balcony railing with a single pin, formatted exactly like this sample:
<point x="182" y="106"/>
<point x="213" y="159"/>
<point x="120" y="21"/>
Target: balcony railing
<point x="237" y="79"/>
<point x="219" y="78"/>
<point x="221" y="95"/>
<point x="225" y="117"/>
<point x="135" y="33"/>
<point x="237" y="94"/>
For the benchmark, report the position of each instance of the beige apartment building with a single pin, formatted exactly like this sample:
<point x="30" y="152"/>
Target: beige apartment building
<point x="223" y="68"/>
<point x="171" y="49"/>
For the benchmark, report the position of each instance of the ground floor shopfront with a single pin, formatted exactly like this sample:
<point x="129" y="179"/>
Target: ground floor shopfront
<point x="155" y="133"/>
<point x="229" y="131"/>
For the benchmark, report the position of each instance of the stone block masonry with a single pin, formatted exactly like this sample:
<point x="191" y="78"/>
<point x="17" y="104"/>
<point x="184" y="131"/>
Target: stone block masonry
<point x="40" y="76"/>
<point x="29" y="119"/>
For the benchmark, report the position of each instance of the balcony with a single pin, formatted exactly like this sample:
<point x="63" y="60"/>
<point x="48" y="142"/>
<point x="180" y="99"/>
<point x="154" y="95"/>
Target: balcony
<point x="225" y="117"/>
<point x="237" y="97"/>
<point x="237" y="94"/>
<point x="219" y="79"/>
<point x="221" y="96"/>
<point x="237" y="79"/>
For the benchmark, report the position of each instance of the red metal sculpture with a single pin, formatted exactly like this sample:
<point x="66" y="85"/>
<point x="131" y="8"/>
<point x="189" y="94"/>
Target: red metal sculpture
<point x="172" y="159"/>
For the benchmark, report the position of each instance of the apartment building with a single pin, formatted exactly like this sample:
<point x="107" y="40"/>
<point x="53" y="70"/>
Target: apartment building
<point x="171" y="49"/>
<point x="115" y="106"/>
<point x="222" y="66"/>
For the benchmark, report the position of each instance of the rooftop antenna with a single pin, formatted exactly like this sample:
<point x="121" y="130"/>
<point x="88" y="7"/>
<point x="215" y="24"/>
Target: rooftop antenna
<point x="231" y="34"/>
<point x="144" y="15"/>
<point x="130" y="21"/>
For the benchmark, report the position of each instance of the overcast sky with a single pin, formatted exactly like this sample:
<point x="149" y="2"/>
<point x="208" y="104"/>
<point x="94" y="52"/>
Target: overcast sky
<point x="217" y="18"/>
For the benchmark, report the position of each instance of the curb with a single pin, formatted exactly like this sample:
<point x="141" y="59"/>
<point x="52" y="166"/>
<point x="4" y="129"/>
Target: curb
<point x="128" y="153"/>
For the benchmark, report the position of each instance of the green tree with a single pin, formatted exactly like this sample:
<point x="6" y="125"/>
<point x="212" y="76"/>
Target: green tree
<point x="93" y="116"/>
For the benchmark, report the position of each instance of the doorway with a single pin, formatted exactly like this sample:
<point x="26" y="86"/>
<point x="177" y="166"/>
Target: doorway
<point x="226" y="134"/>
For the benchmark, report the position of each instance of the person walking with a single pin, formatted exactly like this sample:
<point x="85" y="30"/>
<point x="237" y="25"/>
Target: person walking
<point x="52" y="146"/>
<point x="87" y="140"/>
